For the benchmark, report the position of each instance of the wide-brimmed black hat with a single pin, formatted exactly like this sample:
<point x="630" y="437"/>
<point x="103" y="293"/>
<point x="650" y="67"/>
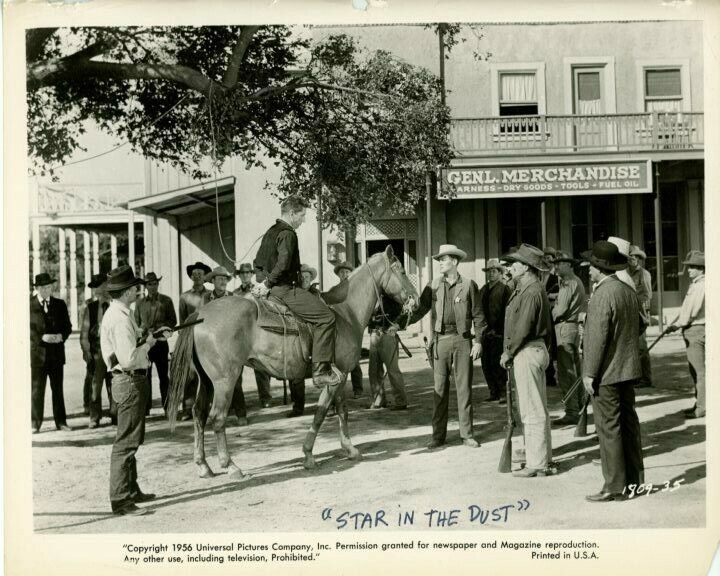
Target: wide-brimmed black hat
<point x="343" y="266"/>
<point x="97" y="280"/>
<point x="43" y="279"/>
<point x="198" y="266"/>
<point x="152" y="277"/>
<point x="244" y="267"/>
<point x="605" y="256"/>
<point x="121" y="278"/>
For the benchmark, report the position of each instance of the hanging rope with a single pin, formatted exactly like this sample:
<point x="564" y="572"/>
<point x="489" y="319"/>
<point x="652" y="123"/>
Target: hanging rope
<point x="214" y="165"/>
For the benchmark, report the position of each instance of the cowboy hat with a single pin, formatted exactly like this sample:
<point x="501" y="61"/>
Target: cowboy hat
<point x="695" y="258"/>
<point x="244" y="267"/>
<point x="450" y="250"/>
<point x="561" y="256"/>
<point x="494" y="264"/>
<point x="310" y="270"/>
<point x="197" y="266"/>
<point x="152" y="277"/>
<point x="97" y="280"/>
<point x="218" y="271"/>
<point x="550" y="253"/>
<point x="121" y="278"/>
<point x="343" y="266"/>
<point x="43" y="279"/>
<point x="529" y="255"/>
<point x="623" y="246"/>
<point x="605" y="256"/>
<point x="637" y="251"/>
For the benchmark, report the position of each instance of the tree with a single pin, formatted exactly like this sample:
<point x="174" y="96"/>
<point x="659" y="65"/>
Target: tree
<point x="360" y="128"/>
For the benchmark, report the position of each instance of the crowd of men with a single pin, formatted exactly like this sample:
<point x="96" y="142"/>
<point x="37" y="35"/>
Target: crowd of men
<point x="531" y="311"/>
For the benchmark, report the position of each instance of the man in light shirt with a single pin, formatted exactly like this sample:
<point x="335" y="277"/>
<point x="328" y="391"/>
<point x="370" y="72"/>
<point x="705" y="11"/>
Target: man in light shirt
<point x="569" y="306"/>
<point x="692" y="323"/>
<point x="128" y="363"/>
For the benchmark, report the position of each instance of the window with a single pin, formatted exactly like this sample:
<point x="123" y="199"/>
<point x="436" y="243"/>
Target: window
<point x="669" y="194"/>
<point x="518" y="96"/>
<point x="592" y="220"/>
<point x="519" y="222"/>
<point x="663" y="90"/>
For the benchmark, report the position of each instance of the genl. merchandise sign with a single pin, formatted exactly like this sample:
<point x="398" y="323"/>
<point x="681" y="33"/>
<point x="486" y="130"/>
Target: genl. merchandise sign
<point x="576" y="179"/>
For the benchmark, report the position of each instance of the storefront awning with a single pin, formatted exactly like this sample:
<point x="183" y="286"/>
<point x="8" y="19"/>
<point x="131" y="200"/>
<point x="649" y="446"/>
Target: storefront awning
<point x="183" y="201"/>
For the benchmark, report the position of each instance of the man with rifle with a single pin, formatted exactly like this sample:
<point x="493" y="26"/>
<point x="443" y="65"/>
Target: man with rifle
<point x="526" y="344"/>
<point x="128" y="362"/>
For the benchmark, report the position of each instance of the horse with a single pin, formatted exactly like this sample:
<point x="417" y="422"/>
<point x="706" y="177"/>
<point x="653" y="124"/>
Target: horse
<point x="216" y="350"/>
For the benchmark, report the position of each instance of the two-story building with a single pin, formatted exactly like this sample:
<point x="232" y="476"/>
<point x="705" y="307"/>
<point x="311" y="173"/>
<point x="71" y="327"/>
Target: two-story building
<point x="566" y="134"/>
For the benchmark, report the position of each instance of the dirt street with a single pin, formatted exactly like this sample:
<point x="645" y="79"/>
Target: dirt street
<point x="396" y="472"/>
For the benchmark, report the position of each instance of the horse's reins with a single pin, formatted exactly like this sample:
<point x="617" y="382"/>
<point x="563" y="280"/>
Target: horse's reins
<point x="383" y="314"/>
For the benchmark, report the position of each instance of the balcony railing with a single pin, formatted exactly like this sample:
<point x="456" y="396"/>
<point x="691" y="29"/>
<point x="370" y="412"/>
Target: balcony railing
<point x="656" y="131"/>
<point x="57" y="198"/>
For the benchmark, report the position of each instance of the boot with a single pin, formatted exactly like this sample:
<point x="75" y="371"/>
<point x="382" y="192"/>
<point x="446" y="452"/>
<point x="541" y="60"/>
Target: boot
<point x="324" y="374"/>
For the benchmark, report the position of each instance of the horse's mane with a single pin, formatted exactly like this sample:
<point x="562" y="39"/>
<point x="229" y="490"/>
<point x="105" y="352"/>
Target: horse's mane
<point x="338" y="293"/>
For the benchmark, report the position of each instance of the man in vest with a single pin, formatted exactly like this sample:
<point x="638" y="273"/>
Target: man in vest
<point x="90" y="343"/>
<point x="526" y="344"/>
<point x="454" y="304"/>
<point x="95" y="281"/>
<point x="152" y="312"/>
<point x="692" y="322"/>
<point x="342" y="271"/>
<point x="49" y="329"/>
<point x="277" y="267"/>
<point x="494" y="296"/>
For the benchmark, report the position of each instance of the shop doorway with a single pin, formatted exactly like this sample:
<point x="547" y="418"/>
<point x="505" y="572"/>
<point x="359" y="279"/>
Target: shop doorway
<point x="375" y="246"/>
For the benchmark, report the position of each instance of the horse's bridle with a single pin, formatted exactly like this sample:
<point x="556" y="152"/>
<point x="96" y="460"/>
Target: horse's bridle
<point x="388" y="267"/>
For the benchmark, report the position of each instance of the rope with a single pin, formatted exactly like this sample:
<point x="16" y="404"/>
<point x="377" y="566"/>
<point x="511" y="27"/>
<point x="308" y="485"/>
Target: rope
<point x="214" y="165"/>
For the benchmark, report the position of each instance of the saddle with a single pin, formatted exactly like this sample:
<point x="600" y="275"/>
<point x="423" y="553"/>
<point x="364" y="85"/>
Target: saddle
<point x="275" y="317"/>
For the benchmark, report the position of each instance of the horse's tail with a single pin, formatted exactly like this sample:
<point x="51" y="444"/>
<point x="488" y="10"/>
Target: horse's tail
<point x="182" y="370"/>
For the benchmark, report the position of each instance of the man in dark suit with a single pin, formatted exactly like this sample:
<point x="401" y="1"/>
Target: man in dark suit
<point x="611" y="368"/>
<point x="49" y="328"/>
<point x="90" y="343"/>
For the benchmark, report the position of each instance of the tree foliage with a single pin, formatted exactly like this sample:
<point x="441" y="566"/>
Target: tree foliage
<point x="360" y="127"/>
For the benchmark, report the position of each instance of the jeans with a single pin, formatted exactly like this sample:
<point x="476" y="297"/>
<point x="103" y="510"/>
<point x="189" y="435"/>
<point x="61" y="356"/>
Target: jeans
<point x="529" y="366"/>
<point x="384" y="352"/>
<point x="158" y="355"/>
<point x="695" y="344"/>
<point x="131" y="394"/>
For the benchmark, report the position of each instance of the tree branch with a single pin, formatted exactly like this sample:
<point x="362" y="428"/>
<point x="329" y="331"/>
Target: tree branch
<point x="70" y="68"/>
<point x="35" y="41"/>
<point x="238" y="55"/>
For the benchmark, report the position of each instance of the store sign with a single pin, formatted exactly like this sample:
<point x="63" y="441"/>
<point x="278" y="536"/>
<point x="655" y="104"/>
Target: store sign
<point x="577" y="179"/>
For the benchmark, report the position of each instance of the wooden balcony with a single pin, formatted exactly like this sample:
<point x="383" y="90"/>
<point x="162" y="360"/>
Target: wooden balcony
<point x="527" y="135"/>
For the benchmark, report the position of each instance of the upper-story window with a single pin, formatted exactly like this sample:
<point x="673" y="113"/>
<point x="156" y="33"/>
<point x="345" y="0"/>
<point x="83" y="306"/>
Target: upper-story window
<point x="663" y="90"/>
<point x="518" y="91"/>
<point x="663" y="86"/>
<point x="518" y="94"/>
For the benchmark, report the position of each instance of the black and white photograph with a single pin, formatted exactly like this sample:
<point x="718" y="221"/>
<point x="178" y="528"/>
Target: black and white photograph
<point x="404" y="283"/>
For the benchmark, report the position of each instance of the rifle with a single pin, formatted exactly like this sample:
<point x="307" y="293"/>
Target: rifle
<point x="505" y="464"/>
<point x="663" y="334"/>
<point x="428" y="352"/>
<point x="159" y="333"/>
<point x="402" y="345"/>
<point x="581" y="427"/>
<point x="572" y="390"/>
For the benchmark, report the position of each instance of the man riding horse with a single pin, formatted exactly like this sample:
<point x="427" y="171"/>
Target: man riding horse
<point x="277" y="269"/>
